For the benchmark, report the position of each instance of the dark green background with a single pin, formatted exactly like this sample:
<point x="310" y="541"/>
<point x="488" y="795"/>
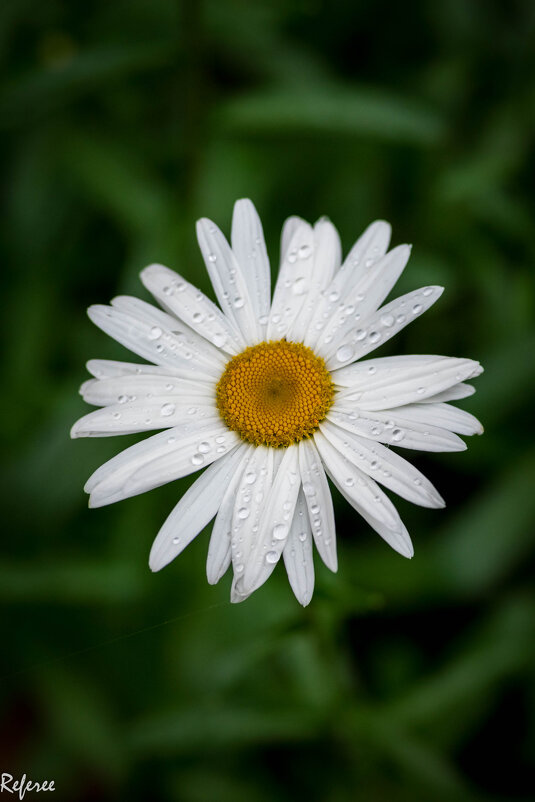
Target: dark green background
<point x="121" y="123"/>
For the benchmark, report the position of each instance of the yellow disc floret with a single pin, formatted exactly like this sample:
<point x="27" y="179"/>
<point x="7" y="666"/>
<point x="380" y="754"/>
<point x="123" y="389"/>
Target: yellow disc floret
<point x="275" y="393"/>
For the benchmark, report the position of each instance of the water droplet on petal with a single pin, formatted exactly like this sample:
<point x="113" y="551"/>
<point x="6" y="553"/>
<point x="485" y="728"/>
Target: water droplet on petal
<point x="243" y="513"/>
<point x="416" y="309"/>
<point x="204" y="447"/>
<point x="272" y="557"/>
<point x="212" y="257"/>
<point x="250" y="477"/>
<point x="167" y="409"/>
<point x="219" y="339"/>
<point x="304" y="251"/>
<point x="197" y="459"/>
<point x="155" y="333"/>
<point x="398" y="435"/>
<point x="299" y="287"/>
<point x="344" y="353"/>
<point x="309" y="489"/>
<point x="280" y="531"/>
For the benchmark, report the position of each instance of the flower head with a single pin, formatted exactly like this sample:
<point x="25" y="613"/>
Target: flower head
<point x="269" y="397"/>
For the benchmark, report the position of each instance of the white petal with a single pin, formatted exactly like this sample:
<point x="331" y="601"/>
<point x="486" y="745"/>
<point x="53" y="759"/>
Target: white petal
<point x="219" y="550"/>
<point x="237" y="593"/>
<point x="365" y="496"/>
<point x="293" y="282"/>
<point x="249" y="247"/>
<point x="368" y="249"/>
<point x="175" y="349"/>
<point x="297" y="554"/>
<point x="384" y="465"/>
<point x="276" y="520"/>
<point x="361" y="299"/>
<point x="392" y="427"/>
<point x="110" y="368"/>
<point x="146" y="386"/>
<point x="326" y="260"/>
<point x="228" y="280"/>
<point x="381" y="326"/>
<point x="396" y="381"/>
<point x="455" y="393"/>
<point x="190" y="305"/>
<point x="194" y="511"/>
<point x="291" y="224"/>
<point x="443" y="415"/>
<point x="319" y="503"/>
<point x="161" y="412"/>
<point x="160" y="459"/>
<point x="249" y="502"/>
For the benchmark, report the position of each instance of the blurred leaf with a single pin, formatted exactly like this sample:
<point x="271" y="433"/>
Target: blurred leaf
<point x="356" y="111"/>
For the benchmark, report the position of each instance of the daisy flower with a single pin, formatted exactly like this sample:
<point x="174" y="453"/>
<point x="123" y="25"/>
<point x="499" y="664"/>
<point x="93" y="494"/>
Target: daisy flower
<point x="272" y="396"/>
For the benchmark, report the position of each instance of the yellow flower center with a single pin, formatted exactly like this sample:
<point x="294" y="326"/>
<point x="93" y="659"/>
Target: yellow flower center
<point x="275" y="393"/>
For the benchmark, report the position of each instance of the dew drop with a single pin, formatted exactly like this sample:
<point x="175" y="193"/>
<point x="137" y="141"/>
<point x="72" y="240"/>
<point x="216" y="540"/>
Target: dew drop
<point x="398" y="435"/>
<point x="344" y="353"/>
<point x="198" y="317"/>
<point x="122" y="399"/>
<point x="238" y="302"/>
<point x="374" y="336"/>
<point x="243" y="513"/>
<point x="219" y="339"/>
<point x="334" y="296"/>
<point x="204" y="447"/>
<point x="239" y="568"/>
<point x="349" y="482"/>
<point x="212" y="257"/>
<point x="299" y="287"/>
<point x="155" y="333"/>
<point x="167" y="409"/>
<point x="197" y="459"/>
<point x="302" y="536"/>
<point x="250" y="477"/>
<point x="427" y="291"/>
<point x="309" y="489"/>
<point x="176" y="541"/>
<point x="416" y="309"/>
<point x="280" y="531"/>
<point x="272" y="557"/>
<point x="388" y="320"/>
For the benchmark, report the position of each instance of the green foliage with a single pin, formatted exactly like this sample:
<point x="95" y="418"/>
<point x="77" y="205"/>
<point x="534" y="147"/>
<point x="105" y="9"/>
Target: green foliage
<point x="123" y="122"/>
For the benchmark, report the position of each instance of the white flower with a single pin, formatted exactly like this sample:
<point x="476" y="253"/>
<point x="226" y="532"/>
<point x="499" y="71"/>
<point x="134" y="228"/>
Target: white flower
<point x="271" y="397"/>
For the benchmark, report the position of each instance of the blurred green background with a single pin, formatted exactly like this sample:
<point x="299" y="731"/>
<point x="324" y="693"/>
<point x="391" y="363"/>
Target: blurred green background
<point x="123" y="122"/>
